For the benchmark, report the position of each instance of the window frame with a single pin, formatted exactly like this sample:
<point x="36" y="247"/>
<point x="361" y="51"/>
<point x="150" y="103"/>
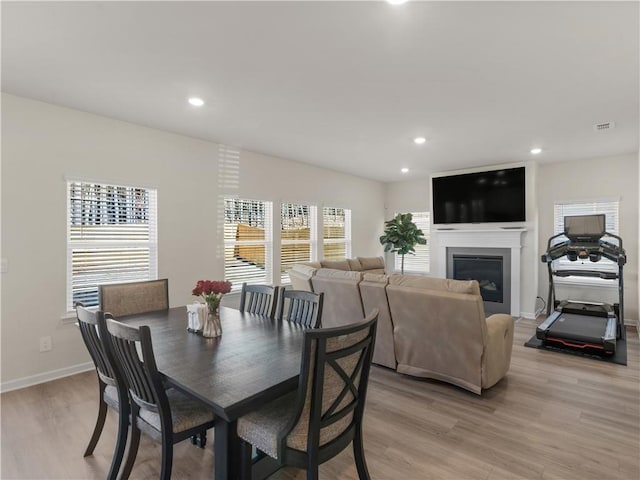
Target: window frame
<point x="312" y="241"/>
<point x="112" y="242"/>
<point x="347" y="233"/>
<point x="267" y="242"/>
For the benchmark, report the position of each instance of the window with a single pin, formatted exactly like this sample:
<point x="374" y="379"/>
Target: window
<point x="608" y="208"/>
<point x="247" y="241"/>
<point x="111" y="238"/>
<point x="418" y="263"/>
<point x="336" y="234"/>
<point x="298" y="236"/>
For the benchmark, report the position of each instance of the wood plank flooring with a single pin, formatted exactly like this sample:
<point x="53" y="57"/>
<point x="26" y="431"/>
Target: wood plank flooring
<point x="554" y="416"/>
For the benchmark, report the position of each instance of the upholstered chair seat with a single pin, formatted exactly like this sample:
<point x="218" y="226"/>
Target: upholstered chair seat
<point x="261" y="428"/>
<point x="186" y="413"/>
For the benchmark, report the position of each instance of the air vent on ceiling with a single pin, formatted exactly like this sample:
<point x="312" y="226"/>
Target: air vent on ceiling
<point x="601" y="127"/>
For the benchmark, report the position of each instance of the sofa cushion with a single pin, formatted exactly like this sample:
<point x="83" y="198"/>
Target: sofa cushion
<point x="354" y="265"/>
<point x="339" y="274"/>
<point x="376" y="278"/>
<point x="336" y="264"/>
<point x="430" y="283"/>
<point x="370" y="263"/>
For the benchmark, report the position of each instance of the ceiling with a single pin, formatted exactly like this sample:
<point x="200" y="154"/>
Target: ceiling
<point x="344" y="85"/>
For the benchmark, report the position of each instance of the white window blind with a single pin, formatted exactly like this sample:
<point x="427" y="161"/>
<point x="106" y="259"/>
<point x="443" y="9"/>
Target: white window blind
<point x="248" y="241"/>
<point x="608" y="208"/>
<point x="336" y="236"/>
<point x="297" y="236"/>
<point x="111" y="238"/>
<point x="418" y="263"/>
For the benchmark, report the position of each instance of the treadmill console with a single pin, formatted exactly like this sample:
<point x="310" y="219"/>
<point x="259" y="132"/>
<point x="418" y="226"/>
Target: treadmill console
<point x="584" y="228"/>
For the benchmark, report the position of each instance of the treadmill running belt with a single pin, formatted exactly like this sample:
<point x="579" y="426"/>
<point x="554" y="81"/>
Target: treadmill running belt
<point x="581" y="328"/>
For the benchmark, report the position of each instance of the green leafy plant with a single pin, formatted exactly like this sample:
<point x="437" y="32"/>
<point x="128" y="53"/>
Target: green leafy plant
<point x="401" y="236"/>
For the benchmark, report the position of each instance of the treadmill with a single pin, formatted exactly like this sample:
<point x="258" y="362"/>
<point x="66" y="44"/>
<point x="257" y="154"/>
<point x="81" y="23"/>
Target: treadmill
<point x="575" y="325"/>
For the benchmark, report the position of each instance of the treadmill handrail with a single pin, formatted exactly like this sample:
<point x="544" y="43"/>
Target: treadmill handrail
<point x="606" y="249"/>
<point x="586" y="273"/>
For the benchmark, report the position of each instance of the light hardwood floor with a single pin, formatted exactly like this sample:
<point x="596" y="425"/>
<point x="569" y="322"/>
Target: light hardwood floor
<point x="554" y="416"/>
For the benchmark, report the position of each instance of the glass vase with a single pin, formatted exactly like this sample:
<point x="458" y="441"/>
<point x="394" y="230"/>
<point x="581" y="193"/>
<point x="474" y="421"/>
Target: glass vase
<point x="212" y="326"/>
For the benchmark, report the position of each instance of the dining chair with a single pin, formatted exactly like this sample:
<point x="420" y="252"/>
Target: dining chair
<point x="307" y="427"/>
<point x="260" y="299"/>
<point x="304" y="308"/>
<point x="121" y="299"/>
<point x="112" y="390"/>
<point x="167" y="416"/>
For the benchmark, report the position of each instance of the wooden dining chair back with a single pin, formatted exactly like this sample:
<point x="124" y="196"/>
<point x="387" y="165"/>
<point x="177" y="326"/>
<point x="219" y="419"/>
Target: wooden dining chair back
<point x="112" y="389"/>
<point x="306" y="428"/>
<point x="166" y="415"/>
<point x="122" y="299"/>
<point x="259" y="299"/>
<point x="301" y="307"/>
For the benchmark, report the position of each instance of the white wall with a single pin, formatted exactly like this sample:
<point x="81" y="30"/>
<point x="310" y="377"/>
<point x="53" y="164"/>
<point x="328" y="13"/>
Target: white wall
<point x="43" y="144"/>
<point x="593" y="179"/>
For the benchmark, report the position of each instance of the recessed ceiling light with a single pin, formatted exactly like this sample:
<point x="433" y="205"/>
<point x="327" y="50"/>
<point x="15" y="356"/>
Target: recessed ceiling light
<point x="404" y="170"/>
<point x="536" y="151"/>
<point x="396" y="2"/>
<point x="196" y="102"/>
<point x="419" y="140"/>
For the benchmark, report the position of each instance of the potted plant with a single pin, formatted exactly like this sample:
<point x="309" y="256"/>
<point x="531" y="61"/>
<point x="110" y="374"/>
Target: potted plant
<point x="401" y="236"/>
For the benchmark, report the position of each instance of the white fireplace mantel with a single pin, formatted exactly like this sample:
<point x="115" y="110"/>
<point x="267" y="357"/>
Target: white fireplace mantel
<point x="510" y="238"/>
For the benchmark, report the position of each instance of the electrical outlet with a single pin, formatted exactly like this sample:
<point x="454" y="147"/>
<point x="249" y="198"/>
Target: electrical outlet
<point x="45" y="344"/>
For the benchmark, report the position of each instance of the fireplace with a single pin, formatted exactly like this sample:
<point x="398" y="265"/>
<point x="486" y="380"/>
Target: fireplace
<point x="491" y="267"/>
<point x="504" y="242"/>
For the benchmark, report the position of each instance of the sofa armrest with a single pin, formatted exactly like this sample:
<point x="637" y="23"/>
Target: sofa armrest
<point x="497" y="352"/>
<point x="300" y="276"/>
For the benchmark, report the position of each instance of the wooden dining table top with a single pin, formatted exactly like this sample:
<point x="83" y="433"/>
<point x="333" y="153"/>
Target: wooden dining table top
<point x="255" y="360"/>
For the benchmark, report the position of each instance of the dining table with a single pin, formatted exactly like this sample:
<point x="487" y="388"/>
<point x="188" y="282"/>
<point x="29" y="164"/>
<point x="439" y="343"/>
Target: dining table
<point x="254" y="361"/>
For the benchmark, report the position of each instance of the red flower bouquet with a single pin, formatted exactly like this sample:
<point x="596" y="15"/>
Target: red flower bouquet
<point x="211" y="291"/>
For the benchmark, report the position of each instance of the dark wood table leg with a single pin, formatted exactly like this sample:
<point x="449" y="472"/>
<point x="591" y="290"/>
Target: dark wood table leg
<point x="226" y="450"/>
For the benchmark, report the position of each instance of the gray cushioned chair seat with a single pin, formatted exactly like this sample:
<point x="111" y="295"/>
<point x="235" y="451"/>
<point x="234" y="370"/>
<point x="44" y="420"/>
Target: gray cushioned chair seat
<point x="186" y="412"/>
<point x="261" y="428"/>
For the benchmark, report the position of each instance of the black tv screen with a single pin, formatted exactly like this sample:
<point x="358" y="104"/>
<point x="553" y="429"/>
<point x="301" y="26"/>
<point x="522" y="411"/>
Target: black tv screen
<point x="491" y="196"/>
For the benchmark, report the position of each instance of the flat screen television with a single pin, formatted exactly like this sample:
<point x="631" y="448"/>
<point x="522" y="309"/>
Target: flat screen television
<point x="479" y="197"/>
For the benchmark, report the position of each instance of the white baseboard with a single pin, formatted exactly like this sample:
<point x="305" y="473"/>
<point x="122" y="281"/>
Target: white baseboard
<point x="528" y="315"/>
<point x="45" y="377"/>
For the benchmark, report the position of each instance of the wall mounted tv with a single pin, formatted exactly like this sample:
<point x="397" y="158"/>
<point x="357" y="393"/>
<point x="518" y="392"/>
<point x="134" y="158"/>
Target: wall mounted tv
<point x="479" y="197"/>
